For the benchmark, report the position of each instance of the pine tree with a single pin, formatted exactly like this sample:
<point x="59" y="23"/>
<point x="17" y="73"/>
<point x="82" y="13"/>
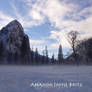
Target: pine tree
<point x="36" y="56"/>
<point x="46" y="55"/>
<point x="60" y="55"/>
<point x="53" y="59"/>
<point x="43" y="57"/>
<point x="46" y="51"/>
<point x="32" y="56"/>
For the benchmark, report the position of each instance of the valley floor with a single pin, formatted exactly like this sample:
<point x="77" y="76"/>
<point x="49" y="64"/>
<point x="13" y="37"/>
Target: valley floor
<point x="45" y="78"/>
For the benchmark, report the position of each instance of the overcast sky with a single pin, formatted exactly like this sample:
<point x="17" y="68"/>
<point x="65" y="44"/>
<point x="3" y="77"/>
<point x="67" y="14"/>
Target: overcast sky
<point x="47" y="21"/>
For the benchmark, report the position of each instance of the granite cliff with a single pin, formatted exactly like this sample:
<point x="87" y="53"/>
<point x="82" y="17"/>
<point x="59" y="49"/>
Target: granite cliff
<point x="14" y="43"/>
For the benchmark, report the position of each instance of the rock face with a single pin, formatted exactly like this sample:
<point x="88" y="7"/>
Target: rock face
<point x="14" y="43"/>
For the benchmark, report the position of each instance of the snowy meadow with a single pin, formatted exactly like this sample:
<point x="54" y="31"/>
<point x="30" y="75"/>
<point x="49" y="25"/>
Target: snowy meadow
<point x="45" y="78"/>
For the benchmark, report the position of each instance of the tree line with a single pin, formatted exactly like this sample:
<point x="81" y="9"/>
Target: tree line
<point x="44" y="59"/>
<point x="81" y="53"/>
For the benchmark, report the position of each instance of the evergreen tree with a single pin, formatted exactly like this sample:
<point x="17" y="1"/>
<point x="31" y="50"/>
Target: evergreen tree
<point x="46" y="55"/>
<point x="53" y="59"/>
<point x="32" y="56"/>
<point x="43" y="57"/>
<point x="60" y="55"/>
<point x="36" y="56"/>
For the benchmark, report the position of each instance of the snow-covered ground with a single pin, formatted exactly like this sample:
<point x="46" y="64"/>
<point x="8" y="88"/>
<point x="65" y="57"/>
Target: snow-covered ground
<point x="45" y="79"/>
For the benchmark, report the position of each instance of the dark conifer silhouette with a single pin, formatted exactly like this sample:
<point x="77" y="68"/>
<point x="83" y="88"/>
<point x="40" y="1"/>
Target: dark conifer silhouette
<point x="53" y="59"/>
<point x="60" y="55"/>
<point x="36" y="56"/>
<point x="43" y="58"/>
<point x="46" y="55"/>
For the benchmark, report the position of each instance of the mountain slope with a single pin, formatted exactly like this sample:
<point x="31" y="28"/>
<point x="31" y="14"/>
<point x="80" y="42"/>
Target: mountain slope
<point x="14" y="43"/>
